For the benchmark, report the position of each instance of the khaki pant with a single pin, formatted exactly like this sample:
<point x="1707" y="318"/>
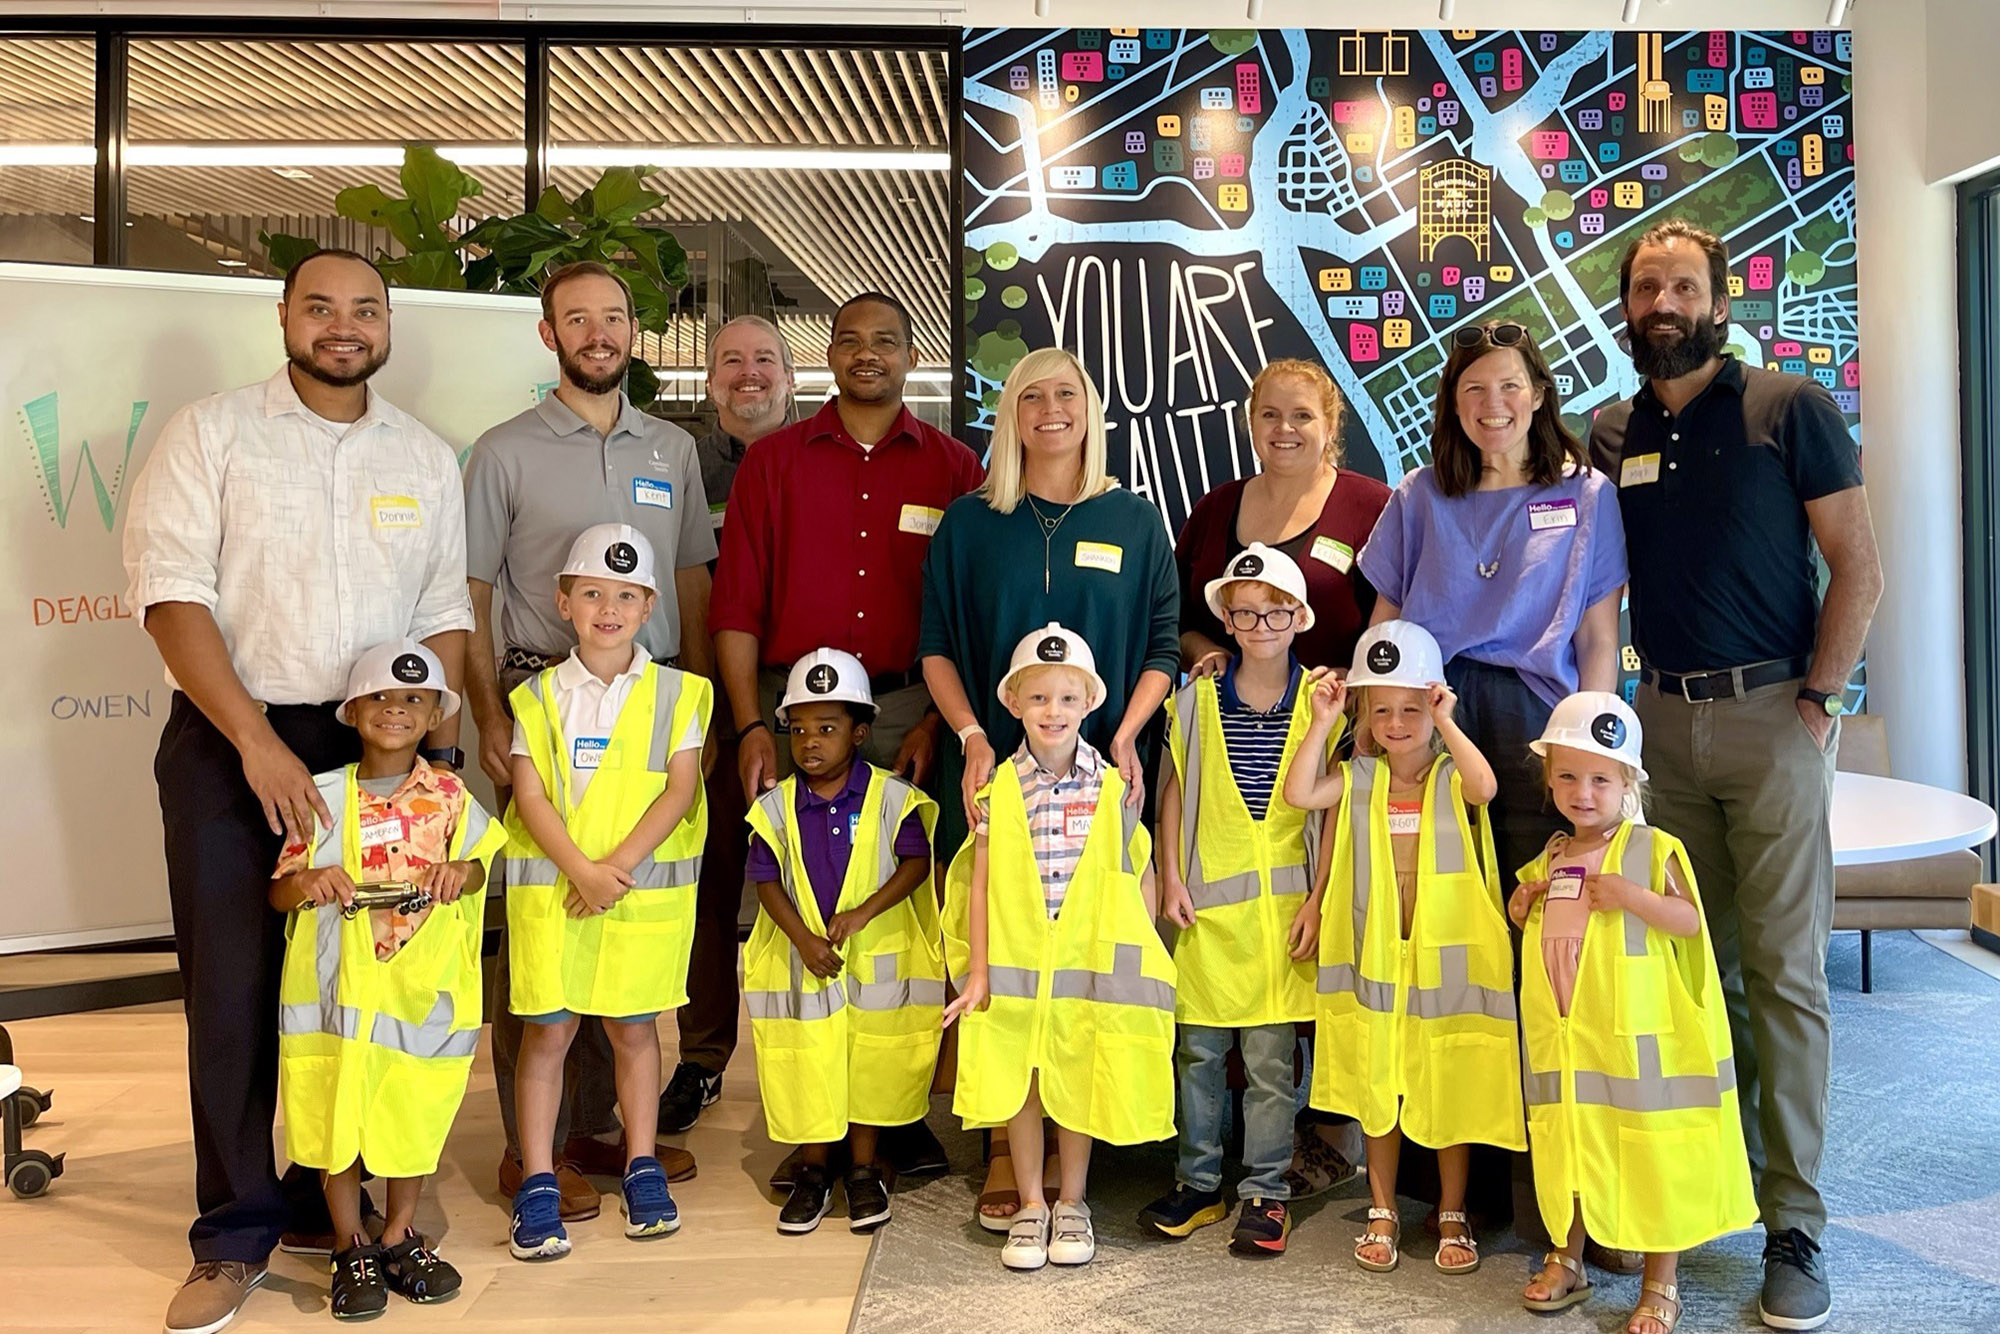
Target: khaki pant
<point x="1742" y="784"/>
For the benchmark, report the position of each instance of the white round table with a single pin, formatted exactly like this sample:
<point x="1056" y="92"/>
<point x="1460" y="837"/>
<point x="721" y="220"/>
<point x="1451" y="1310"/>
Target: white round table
<point x="1888" y="820"/>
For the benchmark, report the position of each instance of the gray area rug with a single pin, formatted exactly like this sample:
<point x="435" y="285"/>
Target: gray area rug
<point x="1912" y="1178"/>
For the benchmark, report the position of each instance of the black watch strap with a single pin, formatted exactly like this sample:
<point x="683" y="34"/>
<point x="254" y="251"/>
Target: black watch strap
<point x="752" y="726"/>
<point x="1819" y="697"/>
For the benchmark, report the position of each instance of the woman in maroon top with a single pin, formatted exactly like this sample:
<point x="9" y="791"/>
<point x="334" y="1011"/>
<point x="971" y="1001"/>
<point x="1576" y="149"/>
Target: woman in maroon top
<point x="1302" y="503"/>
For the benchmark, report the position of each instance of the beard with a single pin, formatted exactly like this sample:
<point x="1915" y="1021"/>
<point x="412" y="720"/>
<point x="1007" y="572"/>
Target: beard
<point x="302" y="358"/>
<point x="592" y="382"/>
<point x="1699" y="343"/>
<point x="758" y="411"/>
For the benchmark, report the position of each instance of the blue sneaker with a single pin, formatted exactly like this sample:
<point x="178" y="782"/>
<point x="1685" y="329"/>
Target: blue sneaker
<point x="649" y="1205"/>
<point x="538" y="1231"/>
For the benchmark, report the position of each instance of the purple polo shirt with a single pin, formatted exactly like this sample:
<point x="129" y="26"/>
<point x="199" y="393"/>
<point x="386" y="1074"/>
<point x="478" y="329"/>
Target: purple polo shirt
<point x="826" y="838"/>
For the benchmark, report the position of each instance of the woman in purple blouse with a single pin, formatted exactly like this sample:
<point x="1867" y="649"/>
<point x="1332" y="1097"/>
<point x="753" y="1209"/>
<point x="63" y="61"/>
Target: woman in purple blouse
<point x="1510" y="550"/>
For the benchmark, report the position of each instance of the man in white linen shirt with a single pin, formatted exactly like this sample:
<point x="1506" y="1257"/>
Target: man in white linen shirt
<point x="276" y="531"/>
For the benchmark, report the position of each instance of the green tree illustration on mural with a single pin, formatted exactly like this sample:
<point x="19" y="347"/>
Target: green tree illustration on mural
<point x="1805" y="268"/>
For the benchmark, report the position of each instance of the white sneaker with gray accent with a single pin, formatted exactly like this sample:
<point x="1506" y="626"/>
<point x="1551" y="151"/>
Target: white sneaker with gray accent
<point x="1072" y="1241"/>
<point x="1027" y="1238"/>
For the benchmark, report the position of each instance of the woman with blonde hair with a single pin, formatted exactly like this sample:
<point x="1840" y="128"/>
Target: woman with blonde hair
<point x="1050" y="537"/>
<point x="1301" y="501"/>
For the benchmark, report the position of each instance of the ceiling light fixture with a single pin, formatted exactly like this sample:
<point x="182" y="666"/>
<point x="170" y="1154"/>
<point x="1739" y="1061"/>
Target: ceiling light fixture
<point x="293" y="157"/>
<point x="234" y="263"/>
<point x="1836" y="13"/>
<point x="1631" y="14"/>
<point x="1445" y="9"/>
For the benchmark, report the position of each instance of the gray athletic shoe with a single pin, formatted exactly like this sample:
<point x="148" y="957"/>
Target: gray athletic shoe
<point x="1796" y="1294"/>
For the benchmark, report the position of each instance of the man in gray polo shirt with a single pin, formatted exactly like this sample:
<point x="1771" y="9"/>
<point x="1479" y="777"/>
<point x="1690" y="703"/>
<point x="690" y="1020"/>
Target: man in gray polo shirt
<point x="750" y="382"/>
<point x="584" y="455"/>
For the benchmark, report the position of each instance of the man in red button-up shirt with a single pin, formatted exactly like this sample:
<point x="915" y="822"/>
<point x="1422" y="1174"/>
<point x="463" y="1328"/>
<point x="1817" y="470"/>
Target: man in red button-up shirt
<point x="829" y="520"/>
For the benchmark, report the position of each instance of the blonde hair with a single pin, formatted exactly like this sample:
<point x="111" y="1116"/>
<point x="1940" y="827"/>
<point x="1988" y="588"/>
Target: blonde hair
<point x="1331" y="405"/>
<point x="1633" y="807"/>
<point x="1364" y="740"/>
<point x="1006" y="481"/>
<point x="1018" y="683"/>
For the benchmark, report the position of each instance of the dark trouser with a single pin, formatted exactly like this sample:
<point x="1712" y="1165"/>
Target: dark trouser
<point x="1742" y="784"/>
<point x="220" y="855"/>
<point x="590" y="1087"/>
<point x="708" y="1022"/>
<point x="1502" y="715"/>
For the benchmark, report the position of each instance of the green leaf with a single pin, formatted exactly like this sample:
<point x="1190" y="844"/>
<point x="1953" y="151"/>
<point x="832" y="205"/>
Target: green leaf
<point x="642" y="384"/>
<point x="482" y="274"/>
<point x="553" y="207"/>
<point x="616" y="188"/>
<point x="436" y="269"/>
<point x="368" y="204"/>
<point x="435" y="186"/>
<point x="284" y="251"/>
<point x="644" y="245"/>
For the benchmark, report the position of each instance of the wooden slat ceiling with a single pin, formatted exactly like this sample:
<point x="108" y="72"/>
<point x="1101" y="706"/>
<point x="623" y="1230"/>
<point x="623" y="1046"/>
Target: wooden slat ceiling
<point x="844" y="230"/>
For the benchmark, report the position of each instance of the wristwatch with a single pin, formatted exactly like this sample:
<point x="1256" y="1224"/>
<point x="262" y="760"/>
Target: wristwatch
<point x="449" y="756"/>
<point x="1832" y="703"/>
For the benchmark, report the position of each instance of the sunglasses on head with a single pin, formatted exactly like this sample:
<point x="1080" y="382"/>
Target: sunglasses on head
<point x="1499" y="335"/>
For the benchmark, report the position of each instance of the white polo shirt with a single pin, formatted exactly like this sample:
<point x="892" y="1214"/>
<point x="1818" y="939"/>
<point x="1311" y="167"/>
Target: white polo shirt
<point x="587" y="709"/>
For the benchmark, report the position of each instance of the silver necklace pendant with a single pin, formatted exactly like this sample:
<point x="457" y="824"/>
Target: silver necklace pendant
<point x="1487" y="569"/>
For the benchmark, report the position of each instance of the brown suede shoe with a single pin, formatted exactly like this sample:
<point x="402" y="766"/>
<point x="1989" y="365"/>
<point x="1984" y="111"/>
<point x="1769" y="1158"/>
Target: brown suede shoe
<point x="596" y="1157"/>
<point x="580" y="1199"/>
<point x="211" y="1296"/>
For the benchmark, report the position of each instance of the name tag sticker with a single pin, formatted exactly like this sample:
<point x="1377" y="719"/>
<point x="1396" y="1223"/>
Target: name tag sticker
<point x="1566" y="882"/>
<point x="1544" y="514"/>
<point x="396" y="512"/>
<point x="1100" y="556"/>
<point x="1329" y="552"/>
<point x="382" y="830"/>
<point x="1639" y="470"/>
<point x="653" y="493"/>
<point x="1076" y="821"/>
<point x="854" y="827"/>
<point x="587" y="752"/>
<point x="1406" y="822"/>
<point x="920" y="519"/>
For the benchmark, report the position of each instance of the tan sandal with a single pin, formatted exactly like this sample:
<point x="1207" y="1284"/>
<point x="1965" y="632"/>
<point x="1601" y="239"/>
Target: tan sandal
<point x="1576" y="1292"/>
<point x="1010" y="1200"/>
<point x="1468" y="1242"/>
<point x="1652" y="1311"/>
<point x="1370" y="1237"/>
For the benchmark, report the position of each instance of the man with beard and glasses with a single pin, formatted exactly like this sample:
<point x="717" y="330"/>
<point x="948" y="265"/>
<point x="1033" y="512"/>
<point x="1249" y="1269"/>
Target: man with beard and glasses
<point x="582" y="456"/>
<point x="750" y="377"/>
<point x="828" y="522"/>
<point x="1728" y="474"/>
<point x="275" y="532"/>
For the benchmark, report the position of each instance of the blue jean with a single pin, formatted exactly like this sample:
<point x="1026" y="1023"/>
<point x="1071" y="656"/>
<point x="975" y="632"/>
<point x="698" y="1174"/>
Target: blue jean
<point x="1268" y="1104"/>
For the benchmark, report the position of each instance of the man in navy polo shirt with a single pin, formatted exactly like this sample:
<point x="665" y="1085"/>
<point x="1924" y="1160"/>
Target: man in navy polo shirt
<point x="1728" y="474"/>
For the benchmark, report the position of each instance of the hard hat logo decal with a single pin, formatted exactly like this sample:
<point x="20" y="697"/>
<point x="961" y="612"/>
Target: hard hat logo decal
<point x="1383" y="657"/>
<point x="621" y="558"/>
<point x="1249" y="566"/>
<point x="1052" y="649"/>
<point x="822" y="679"/>
<point x="1609" y="730"/>
<point x="409" y="669"/>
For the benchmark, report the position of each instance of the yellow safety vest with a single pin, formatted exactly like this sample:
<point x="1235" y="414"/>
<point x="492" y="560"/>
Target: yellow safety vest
<point x="1247" y="877"/>
<point x="1632" y="1102"/>
<point x="1429" y="1021"/>
<point x="1086" y="999"/>
<point x="862" y="1046"/>
<point x="373" y="1055"/>
<point x="634" y="959"/>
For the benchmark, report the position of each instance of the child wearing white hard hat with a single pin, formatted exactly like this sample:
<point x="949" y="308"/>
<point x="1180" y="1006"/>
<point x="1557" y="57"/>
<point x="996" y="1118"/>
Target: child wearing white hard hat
<point x="1056" y="874"/>
<point x="1412" y="910"/>
<point x="390" y="1091"/>
<point x="604" y="849"/>
<point x="1629" y="1064"/>
<point x="1237" y="879"/>
<point x="844" y="972"/>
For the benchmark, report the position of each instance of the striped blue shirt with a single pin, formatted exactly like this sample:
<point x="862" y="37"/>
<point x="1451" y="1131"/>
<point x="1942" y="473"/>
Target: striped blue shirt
<point x="1256" y="739"/>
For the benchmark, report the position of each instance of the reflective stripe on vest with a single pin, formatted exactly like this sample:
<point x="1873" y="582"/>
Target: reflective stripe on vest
<point x="1455" y="993"/>
<point x="1244" y="886"/>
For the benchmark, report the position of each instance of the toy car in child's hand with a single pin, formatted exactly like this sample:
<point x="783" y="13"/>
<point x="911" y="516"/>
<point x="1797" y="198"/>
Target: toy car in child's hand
<point x="401" y="895"/>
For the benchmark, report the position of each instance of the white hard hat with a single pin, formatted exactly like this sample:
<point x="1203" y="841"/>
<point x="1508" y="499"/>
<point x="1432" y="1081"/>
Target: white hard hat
<point x="826" y="674"/>
<point x="399" y="663"/>
<point x="612" y="551"/>
<point x="1265" y="565"/>
<point x="1599" y="722"/>
<point x="1053" y="646"/>
<point x="1396" y="653"/>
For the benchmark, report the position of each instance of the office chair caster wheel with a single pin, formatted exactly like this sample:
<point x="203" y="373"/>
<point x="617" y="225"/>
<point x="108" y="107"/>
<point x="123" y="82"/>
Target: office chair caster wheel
<point x="29" y="1104"/>
<point x="29" y="1174"/>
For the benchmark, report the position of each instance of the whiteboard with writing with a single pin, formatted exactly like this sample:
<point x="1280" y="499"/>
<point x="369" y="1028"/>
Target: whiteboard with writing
<point x="92" y="364"/>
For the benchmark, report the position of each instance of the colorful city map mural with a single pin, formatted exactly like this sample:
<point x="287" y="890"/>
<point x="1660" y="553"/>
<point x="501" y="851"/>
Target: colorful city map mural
<point x="1179" y="207"/>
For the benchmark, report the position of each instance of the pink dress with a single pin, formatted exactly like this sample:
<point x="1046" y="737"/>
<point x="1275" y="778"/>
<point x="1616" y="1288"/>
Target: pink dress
<point x="1563" y="923"/>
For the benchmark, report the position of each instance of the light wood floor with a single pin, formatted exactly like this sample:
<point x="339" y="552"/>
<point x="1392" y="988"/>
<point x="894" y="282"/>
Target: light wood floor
<point x="105" y="1249"/>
